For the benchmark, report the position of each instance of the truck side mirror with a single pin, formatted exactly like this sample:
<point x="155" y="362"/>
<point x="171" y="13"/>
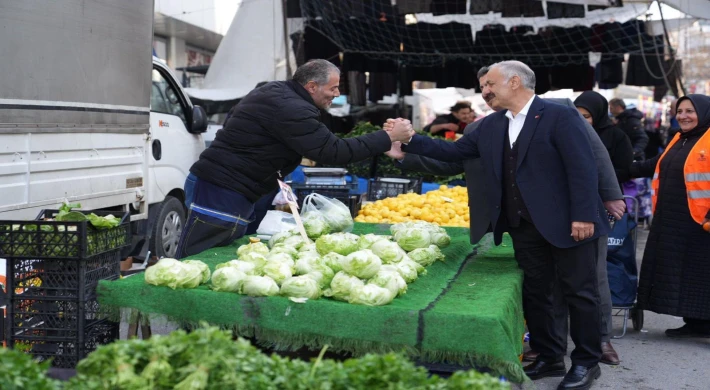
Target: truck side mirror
<point x="199" y="120"/>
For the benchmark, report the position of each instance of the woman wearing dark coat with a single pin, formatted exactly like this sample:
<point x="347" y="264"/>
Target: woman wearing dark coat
<point x="595" y="110"/>
<point x="675" y="273"/>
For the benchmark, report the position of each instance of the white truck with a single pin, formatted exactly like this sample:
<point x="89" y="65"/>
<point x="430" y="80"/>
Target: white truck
<point x="88" y="115"/>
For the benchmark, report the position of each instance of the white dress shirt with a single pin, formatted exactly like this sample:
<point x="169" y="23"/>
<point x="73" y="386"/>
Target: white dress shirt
<point x="515" y="123"/>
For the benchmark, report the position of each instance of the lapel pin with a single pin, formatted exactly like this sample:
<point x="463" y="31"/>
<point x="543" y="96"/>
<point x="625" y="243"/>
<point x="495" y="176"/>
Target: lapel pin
<point x="537" y="116"/>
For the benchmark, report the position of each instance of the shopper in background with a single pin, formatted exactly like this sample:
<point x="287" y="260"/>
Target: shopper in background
<point x="629" y="120"/>
<point x="675" y="272"/>
<point x="460" y="116"/>
<point x="594" y="108"/>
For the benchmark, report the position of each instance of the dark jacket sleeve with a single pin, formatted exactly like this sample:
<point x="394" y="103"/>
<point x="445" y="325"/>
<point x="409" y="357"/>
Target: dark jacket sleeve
<point x="574" y="147"/>
<point x="623" y="155"/>
<point x="415" y="163"/>
<point x="309" y="137"/>
<point x="464" y="148"/>
<point x="439" y="120"/>
<point x="639" y="139"/>
<point x="644" y="168"/>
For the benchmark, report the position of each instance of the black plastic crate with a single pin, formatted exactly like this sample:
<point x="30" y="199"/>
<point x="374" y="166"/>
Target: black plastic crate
<point x="346" y="194"/>
<point x="43" y="344"/>
<point x="377" y="189"/>
<point x="42" y="239"/>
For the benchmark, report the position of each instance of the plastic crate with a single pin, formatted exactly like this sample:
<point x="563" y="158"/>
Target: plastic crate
<point x="346" y="194"/>
<point x="378" y="189"/>
<point x="52" y="270"/>
<point x="43" y="344"/>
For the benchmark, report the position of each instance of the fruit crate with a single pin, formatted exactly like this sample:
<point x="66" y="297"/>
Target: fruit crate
<point x="346" y="194"/>
<point x="389" y="187"/>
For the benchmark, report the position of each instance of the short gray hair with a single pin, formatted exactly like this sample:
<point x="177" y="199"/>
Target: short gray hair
<point x="318" y="71"/>
<point x="516" y="68"/>
<point x="482" y="72"/>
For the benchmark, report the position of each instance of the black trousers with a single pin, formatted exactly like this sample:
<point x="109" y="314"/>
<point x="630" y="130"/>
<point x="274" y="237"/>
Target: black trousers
<point x="574" y="269"/>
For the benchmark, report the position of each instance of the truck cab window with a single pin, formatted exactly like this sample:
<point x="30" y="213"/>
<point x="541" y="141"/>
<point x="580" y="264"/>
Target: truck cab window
<point x="164" y="99"/>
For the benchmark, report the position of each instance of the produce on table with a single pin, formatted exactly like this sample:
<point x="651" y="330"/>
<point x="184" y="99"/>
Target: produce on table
<point x="315" y="224"/>
<point x="259" y="286"/>
<point x="333" y="266"/>
<point x="203" y="268"/>
<point x="208" y="358"/>
<point x="20" y="371"/>
<point x="371" y="295"/>
<point x="301" y="287"/>
<point x="444" y="207"/>
<point x="229" y="279"/>
<point x="174" y="274"/>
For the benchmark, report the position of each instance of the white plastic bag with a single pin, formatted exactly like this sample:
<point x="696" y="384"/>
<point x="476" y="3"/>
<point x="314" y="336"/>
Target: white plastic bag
<point x="280" y="199"/>
<point x="276" y="221"/>
<point x="335" y="213"/>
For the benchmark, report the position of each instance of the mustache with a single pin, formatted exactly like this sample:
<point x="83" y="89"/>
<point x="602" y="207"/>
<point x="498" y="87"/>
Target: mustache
<point x="489" y="96"/>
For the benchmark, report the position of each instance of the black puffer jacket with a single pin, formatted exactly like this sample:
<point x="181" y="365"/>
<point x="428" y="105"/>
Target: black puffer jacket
<point x="675" y="273"/>
<point x="266" y="136"/>
<point x="630" y="123"/>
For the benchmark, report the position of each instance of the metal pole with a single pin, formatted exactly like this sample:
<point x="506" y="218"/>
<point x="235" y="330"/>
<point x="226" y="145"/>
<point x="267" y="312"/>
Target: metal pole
<point x="289" y="73"/>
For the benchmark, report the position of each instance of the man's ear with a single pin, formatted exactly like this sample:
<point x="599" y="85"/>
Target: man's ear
<point x="311" y="86"/>
<point x="515" y="82"/>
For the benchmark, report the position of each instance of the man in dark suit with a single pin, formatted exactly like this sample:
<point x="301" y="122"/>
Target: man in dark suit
<point x="541" y="187"/>
<point x="480" y="221"/>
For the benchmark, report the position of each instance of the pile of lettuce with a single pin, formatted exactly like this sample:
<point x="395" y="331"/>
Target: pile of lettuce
<point x="366" y="270"/>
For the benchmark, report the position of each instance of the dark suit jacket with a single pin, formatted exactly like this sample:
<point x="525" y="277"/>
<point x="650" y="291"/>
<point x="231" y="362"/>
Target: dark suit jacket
<point x="480" y="218"/>
<point x="556" y="172"/>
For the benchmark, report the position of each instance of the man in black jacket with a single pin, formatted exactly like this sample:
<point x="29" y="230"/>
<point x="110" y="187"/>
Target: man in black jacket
<point x="629" y="120"/>
<point x="264" y="139"/>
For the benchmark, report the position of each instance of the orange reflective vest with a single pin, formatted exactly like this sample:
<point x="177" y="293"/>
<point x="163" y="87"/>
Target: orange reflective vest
<point x="697" y="177"/>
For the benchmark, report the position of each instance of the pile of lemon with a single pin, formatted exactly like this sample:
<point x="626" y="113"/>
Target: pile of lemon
<point x="445" y="207"/>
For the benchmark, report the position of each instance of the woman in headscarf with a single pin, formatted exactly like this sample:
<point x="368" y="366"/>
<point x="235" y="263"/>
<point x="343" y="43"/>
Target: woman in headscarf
<point x="675" y="273"/>
<point x="595" y="109"/>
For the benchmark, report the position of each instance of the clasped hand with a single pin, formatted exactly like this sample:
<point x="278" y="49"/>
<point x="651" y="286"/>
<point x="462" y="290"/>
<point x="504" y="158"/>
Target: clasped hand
<point x="399" y="130"/>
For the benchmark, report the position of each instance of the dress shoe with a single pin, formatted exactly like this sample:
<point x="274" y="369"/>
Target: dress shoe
<point x="580" y="378"/>
<point x="609" y="355"/>
<point x="530" y="356"/>
<point x="686" y="331"/>
<point x="540" y="369"/>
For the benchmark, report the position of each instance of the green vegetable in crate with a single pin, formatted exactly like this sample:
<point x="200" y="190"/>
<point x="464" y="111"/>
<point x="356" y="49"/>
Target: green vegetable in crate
<point x="412" y="238"/>
<point x="203" y="267"/>
<point x="280" y="237"/>
<point x="174" y="274"/>
<point x="341" y="243"/>
<point x="244" y="266"/>
<point x="252" y="247"/>
<point x="19" y="371"/>
<point x="259" y="286"/>
<point x="334" y="261"/>
<point x="391" y="280"/>
<point x="389" y="252"/>
<point x="370" y="295"/>
<point x="278" y="271"/>
<point x="282" y="248"/>
<point x="301" y="287"/>
<point x="315" y="225"/>
<point x="341" y="286"/>
<point x="364" y="264"/>
<point x="426" y="256"/>
<point x="229" y="279"/>
<point x="366" y="241"/>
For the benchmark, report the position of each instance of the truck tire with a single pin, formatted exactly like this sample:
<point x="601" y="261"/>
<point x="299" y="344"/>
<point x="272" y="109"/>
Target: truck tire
<point x="167" y="228"/>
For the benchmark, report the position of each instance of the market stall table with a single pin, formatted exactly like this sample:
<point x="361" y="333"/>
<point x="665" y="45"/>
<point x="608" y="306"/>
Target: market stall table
<point x="466" y="310"/>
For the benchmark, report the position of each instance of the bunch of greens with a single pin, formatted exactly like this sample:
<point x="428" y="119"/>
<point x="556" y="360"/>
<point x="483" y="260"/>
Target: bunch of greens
<point x="208" y="358"/>
<point x="20" y="372"/>
<point x="177" y="274"/>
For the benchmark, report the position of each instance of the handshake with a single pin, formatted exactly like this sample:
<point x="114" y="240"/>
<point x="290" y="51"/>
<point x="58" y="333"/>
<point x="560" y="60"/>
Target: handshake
<point x="399" y="130"/>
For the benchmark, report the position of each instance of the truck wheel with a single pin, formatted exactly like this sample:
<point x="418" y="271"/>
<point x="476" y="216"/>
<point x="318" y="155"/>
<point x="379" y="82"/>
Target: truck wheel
<point x="168" y="228"/>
